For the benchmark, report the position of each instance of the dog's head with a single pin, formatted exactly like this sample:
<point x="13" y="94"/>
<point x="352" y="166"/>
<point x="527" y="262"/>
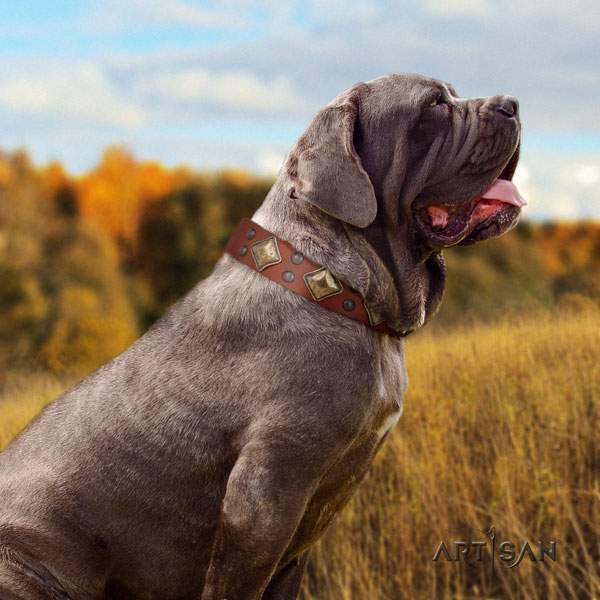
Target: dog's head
<point x="411" y="168"/>
<point x="411" y="141"/>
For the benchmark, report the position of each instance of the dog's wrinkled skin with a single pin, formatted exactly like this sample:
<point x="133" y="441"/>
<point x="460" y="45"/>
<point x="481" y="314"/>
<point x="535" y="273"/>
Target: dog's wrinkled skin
<point x="205" y="460"/>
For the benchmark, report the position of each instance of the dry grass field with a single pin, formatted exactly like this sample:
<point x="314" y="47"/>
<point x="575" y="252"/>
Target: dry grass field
<point x="500" y="427"/>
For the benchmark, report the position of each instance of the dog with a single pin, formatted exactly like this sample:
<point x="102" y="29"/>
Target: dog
<point x="207" y="459"/>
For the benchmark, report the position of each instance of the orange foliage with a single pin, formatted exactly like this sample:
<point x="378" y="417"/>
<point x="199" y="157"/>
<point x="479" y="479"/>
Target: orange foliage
<point x="116" y="193"/>
<point x="237" y="177"/>
<point x="54" y="177"/>
<point x="567" y="246"/>
<point x="6" y="172"/>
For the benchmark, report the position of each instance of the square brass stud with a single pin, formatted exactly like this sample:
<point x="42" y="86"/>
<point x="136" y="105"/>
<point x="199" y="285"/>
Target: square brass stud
<point x="322" y="283"/>
<point x="374" y="317"/>
<point x="266" y="253"/>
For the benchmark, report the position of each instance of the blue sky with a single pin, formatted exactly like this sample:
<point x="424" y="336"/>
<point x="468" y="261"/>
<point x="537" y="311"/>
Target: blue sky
<point x="233" y="83"/>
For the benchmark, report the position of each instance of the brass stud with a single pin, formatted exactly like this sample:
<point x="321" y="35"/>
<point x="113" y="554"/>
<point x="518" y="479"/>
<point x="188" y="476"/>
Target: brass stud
<point x="374" y="317"/>
<point x="251" y="233"/>
<point x="288" y="276"/>
<point x="243" y="250"/>
<point x="322" y="283"/>
<point x="266" y="253"/>
<point x="297" y="258"/>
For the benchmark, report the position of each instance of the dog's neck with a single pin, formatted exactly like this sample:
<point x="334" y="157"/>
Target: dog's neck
<point x="377" y="262"/>
<point x="406" y="290"/>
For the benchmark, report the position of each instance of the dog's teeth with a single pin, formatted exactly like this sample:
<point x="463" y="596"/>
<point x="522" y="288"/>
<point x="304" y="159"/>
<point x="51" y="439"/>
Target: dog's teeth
<point x="438" y="216"/>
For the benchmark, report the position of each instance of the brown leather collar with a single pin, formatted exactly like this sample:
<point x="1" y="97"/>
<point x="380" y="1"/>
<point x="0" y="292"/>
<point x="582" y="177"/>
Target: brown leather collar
<point x="276" y="259"/>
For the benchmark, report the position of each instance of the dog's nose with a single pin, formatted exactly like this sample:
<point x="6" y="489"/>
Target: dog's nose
<point x="507" y="105"/>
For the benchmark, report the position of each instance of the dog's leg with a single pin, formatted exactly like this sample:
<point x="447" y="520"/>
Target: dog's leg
<point x="264" y="503"/>
<point x="14" y="585"/>
<point x="286" y="583"/>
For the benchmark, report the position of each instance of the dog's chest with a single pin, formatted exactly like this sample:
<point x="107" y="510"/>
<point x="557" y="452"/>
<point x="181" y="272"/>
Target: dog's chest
<point x="342" y="479"/>
<point x="390" y="420"/>
<point x="391" y="383"/>
<point x="386" y="396"/>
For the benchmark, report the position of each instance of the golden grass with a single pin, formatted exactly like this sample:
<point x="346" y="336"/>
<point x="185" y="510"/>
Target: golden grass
<point x="500" y="427"/>
<point x="22" y="397"/>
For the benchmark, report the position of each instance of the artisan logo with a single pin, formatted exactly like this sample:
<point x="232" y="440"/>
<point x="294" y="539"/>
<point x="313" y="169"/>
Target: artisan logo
<point x="508" y="552"/>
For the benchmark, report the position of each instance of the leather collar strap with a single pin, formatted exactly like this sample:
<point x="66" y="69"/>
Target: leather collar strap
<point x="276" y="259"/>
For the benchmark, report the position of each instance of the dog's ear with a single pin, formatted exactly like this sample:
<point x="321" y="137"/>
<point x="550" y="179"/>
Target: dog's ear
<point x="324" y="168"/>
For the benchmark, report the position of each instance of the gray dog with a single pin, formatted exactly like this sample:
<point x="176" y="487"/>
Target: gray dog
<point x="207" y="459"/>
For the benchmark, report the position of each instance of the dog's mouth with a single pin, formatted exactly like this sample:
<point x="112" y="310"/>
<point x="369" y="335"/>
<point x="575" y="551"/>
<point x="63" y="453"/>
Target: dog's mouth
<point x="490" y="214"/>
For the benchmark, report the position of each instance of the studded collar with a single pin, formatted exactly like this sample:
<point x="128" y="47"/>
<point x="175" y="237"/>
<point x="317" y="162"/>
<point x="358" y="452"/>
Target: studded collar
<point x="277" y="260"/>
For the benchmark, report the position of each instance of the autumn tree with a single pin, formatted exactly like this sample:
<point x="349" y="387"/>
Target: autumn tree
<point x="63" y="301"/>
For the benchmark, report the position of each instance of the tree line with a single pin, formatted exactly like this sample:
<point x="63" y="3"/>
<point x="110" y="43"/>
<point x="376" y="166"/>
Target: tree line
<point x="88" y="263"/>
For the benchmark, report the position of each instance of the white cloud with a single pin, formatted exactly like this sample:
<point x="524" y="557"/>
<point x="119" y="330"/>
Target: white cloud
<point x="562" y="208"/>
<point x="121" y="15"/>
<point x="557" y="187"/>
<point x="268" y="162"/>
<point x="458" y="8"/>
<point x="579" y="172"/>
<point x="588" y="175"/>
<point x="241" y="90"/>
<point x="522" y="175"/>
<point x="336" y="11"/>
<point x="75" y="92"/>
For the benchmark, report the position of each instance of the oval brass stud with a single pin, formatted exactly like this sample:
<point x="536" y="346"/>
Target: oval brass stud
<point x="251" y="233"/>
<point x="297" y="258"/>
<point x="243" y="250"/>
<point x="288" y="276"/>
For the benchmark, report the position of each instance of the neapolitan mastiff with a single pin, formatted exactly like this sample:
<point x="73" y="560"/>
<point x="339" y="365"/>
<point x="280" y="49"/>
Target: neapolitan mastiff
<point x="206" y="460"/>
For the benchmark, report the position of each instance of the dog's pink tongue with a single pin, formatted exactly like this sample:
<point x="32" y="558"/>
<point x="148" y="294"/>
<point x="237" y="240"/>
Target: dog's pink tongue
<point x="505" y="191"/>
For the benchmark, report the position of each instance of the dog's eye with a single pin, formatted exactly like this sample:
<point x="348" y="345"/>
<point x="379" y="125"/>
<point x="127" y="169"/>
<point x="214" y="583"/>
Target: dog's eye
<point x="439" y="100"/>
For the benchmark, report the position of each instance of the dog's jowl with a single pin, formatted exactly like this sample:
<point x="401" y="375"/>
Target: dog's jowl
<point x="207" y="459"/>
